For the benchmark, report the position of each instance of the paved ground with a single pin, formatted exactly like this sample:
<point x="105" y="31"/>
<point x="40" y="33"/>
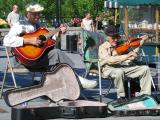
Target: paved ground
<point x="25" y="80"/>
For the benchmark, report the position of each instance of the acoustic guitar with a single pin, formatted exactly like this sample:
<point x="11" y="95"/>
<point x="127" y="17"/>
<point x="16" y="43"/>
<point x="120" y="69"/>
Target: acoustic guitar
<point x="30" y="53"/>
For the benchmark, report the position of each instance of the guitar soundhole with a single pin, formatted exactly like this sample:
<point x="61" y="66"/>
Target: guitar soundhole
<point x="42" y="38"/>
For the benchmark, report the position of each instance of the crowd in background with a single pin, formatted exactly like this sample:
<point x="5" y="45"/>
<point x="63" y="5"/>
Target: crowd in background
<point x="96" y="22"/>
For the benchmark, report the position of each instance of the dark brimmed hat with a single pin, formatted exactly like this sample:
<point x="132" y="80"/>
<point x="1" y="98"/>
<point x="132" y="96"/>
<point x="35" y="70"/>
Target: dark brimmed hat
<point x="110" y="30"/>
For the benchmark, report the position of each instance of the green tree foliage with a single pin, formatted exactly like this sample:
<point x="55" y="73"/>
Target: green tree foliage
<point x="85" y="6"/>
<point x="70" y="8"/>
<point x="6" y="6"/>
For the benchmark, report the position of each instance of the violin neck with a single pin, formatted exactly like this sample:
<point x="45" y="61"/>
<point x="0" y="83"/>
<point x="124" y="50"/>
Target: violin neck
<point x="136" y="39"/>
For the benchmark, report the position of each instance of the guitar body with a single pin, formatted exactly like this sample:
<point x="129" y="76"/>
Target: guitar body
<point x="30" y="53"/>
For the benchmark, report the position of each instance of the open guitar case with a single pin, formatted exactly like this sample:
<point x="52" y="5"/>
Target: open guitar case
<point x="144" y="105"/>
<point x="62" y="88"/>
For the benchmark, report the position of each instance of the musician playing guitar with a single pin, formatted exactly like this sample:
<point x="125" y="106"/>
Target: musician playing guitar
<point x="33" y="45"/>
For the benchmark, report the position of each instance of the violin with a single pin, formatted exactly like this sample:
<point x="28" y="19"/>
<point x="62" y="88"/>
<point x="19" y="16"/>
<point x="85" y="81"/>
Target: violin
<point x="131" y="42"/>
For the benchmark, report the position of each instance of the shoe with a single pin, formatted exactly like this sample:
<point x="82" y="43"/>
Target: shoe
<point x="119" y="102"/>
<point x="36" y="82"/>
<point x="88" y="84"/>
<point x="122" y="100"/>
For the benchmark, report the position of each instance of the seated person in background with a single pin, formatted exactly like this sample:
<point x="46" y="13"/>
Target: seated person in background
<point x="51" y="57"/>
<point x="118" y="66"/>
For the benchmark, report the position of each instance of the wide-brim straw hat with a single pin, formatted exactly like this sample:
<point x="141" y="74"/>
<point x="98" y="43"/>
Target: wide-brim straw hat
<point x="34" y="8"/>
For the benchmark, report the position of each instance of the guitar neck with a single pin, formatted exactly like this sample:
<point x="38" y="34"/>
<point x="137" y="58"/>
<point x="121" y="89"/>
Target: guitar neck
<point x="57" y="30"/>
<point x="52" y="32"/>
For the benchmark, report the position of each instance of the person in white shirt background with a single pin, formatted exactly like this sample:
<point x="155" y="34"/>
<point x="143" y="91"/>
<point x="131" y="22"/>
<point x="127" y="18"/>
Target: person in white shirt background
<point x="13" y="16"/>
<point x="87" y="23"/>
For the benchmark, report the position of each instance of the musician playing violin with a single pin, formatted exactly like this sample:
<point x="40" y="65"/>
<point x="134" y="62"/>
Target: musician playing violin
<point x="52" y="56"/>
<point x="119" y="66"/>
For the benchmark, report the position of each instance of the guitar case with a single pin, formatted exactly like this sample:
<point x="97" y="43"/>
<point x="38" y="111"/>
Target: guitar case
<point x="144" y="105"/>
<point x="62" y="90"/>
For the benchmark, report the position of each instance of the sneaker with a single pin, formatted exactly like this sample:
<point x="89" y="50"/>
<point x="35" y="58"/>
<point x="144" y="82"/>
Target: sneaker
<point x="87" y="83"/>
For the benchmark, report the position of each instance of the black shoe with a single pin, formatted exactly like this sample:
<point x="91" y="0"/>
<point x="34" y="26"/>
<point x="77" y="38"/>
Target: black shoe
<point x="119" y="102"/>
<point x="122" y="100"/>
<point x="36" y="82"/>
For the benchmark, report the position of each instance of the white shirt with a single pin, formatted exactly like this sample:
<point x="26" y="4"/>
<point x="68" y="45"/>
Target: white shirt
<point x="12" y="17"/>
<point x="13" y="39"/>
<point x="87" y="24"/>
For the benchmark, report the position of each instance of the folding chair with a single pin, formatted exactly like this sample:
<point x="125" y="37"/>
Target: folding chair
<point x="91" y="42"/>
<point x="145" y="58"/>
<point x="10" y="68"/>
